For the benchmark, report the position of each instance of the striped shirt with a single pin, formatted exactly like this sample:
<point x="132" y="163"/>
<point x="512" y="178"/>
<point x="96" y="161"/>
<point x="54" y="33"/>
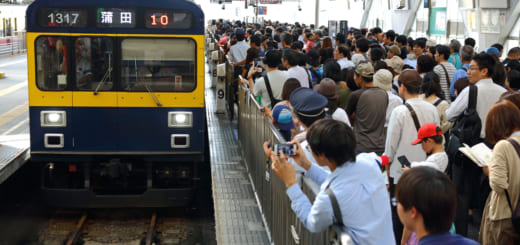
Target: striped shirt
<point x="445" y="81"/>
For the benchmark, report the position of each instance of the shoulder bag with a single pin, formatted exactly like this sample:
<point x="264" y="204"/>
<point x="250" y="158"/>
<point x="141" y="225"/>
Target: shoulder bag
<point x="515" y="214"/>
<point x="414" y="116"/>
<point x="270" y="92"/>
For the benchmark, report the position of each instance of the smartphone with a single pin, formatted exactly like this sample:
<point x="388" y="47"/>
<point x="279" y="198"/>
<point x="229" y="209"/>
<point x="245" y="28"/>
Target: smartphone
<point x="404" y="161"/>
<point x="287" y="149"/>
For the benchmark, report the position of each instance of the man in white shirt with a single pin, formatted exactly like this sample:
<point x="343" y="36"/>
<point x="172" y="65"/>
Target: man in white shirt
<point x="466" y="176"/>
<point x="402" y="130"/>
<point x="401" y="127"/>
<point x="479" y="73"/>
<point x="238" y="52"/>
<point x="276" y="79"/>
<point x="341" y="54"/>
<point x="290" y="61"/>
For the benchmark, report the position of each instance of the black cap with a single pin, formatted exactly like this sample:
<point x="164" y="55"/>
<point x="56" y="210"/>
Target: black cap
<point x="308" y="103"/>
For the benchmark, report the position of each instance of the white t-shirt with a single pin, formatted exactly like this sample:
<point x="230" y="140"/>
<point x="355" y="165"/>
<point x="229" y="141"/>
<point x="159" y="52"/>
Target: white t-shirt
<point x="393" y="102"/>
<point x="356" y="58"/>
<point x="238" y="52"/>
<point x="276" y="79"/>
<point x="401" y="132"/>
<point x="437" y="161"/>
<point x="341" y="115"/>
<point x="301" y="74"/>
<point x="345" y="63"/>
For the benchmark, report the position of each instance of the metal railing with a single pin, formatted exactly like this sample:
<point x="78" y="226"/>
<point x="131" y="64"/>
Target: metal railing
<point x="13" y="45"/>
<point x="283" y="226"/>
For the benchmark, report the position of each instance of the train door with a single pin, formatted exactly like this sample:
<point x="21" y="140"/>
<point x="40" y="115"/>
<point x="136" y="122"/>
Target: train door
<point x="140" y="104"/>
<point x="157" y="78"/>
<point x="94" y="113"/>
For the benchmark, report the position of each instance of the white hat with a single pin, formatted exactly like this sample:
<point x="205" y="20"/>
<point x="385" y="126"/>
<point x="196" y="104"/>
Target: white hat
<point x="383" y="79"/>
<point x="396" y="63"/>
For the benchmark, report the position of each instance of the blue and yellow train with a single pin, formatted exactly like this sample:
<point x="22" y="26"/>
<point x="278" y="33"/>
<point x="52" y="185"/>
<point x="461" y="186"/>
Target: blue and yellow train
<point x="116" y="96"/>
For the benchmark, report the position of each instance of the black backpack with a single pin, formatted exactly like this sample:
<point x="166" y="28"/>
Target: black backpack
<point x="329" y="112"/>
<point x="467" y="126"/>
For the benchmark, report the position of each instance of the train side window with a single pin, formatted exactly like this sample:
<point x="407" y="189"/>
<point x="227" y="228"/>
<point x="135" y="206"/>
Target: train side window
<point x="158" y="65"/>
<point x="93" y="63"/>
<point x="51" y="63"/>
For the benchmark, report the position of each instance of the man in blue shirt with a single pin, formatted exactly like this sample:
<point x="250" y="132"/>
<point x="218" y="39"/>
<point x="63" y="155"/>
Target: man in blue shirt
<point x="356" y="182"/>
<point x="426" y="205"/>
<point x="465" y="55"/>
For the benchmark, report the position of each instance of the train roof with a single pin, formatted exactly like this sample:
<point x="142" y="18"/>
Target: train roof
<point x="138" y="5"/>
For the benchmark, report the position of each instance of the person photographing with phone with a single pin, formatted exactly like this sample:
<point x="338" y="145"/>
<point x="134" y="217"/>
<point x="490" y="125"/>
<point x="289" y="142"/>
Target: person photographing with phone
<point x="352" y="196"/>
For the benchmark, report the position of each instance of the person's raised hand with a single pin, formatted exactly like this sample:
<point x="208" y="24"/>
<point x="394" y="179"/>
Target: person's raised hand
<point x="299" y="156"/>
<point x="283" y="169"/>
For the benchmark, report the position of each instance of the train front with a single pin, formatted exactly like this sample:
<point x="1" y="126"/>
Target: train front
<point x="117" y="113"/>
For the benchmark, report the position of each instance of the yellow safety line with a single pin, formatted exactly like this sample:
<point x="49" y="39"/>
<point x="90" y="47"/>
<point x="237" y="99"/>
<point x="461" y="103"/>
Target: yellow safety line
<point x="13" y="63"/>
<point x="14" y="113"/>
<point x="13" y="88"/>
<point x="15" y="127"/>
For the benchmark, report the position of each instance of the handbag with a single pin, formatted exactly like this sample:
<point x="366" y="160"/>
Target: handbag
<point x="515" y="214"/>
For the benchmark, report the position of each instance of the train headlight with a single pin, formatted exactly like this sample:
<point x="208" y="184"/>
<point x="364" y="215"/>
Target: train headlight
<point x="53" y="118"/>
<point x="180" y="119"/>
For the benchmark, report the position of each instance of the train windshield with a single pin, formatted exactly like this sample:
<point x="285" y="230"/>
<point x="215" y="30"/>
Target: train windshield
<point x="158" y="65"/>
<point x="93" y="62"/>
<point x="88" y="64"/>
<point x="51" y="63"/>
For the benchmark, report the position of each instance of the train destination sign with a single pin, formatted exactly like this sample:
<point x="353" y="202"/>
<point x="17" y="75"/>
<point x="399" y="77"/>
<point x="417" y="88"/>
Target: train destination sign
<point x="115" y="18"/>
<point x="48" y="17"/>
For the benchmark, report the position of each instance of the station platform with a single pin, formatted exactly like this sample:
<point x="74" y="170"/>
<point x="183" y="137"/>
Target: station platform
<point x="237" y="215"/>
<point x="14" y="153"/>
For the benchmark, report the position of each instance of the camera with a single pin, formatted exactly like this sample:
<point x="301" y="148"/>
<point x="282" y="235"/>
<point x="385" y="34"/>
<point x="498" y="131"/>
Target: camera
<point x="287" y="149"/>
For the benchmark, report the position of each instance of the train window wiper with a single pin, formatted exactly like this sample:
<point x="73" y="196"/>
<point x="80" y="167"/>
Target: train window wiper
<point x="155" y="99"/>
<point x="108" y="74"/>
<point x="103" y="80"/>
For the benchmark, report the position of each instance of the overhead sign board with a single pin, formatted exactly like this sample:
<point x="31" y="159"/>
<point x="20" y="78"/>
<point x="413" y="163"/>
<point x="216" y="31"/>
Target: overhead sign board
<point x="270" y="1"/>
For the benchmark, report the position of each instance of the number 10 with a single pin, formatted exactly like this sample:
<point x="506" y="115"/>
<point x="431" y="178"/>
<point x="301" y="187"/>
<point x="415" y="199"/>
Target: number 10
<point x="163" y="20"/>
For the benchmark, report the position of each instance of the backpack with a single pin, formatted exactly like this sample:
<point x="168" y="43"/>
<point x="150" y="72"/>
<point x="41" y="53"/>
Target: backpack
<point x="467" y="126"/>
<point x="270" y="92"/>
<point x="328" y="112"/>
<point x="316" y="75"/>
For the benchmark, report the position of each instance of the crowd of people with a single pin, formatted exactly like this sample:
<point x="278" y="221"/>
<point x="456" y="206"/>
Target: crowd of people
<point x="347" y="101"/>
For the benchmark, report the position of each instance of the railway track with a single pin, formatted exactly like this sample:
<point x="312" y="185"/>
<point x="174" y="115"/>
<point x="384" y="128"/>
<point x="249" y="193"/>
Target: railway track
<point x="127" y="227"/>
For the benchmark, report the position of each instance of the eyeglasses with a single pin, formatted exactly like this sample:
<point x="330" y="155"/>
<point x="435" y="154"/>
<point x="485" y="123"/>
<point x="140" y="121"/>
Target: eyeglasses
<point x="473" y="68"/>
